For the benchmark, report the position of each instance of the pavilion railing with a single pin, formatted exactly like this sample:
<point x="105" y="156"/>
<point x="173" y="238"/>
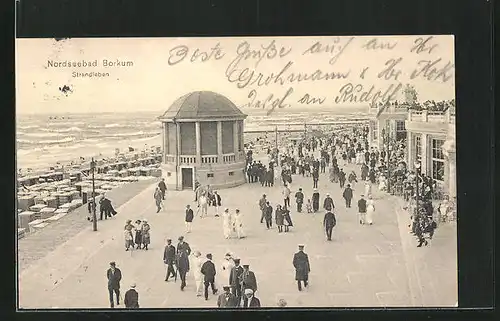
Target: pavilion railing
<point x="228" y="158"/>
<point x="187" y="160"/>
<point x="209" y="159"/>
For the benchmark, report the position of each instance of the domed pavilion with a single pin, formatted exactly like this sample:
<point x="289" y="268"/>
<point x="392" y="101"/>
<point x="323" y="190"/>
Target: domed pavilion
<point x="203" y="141"/>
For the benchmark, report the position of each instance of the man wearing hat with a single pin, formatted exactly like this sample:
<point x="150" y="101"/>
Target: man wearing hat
<point x="315" y="200"/>
<point x="227" y="299"/>
<point x="131" y="299"/>
<point x="248" y="280"/>
<point x="235" y="279"/>
<point x="329" y="222"/>
<point x="250" y="301"/>
<point x="299" y="199"/>
<point x="169" y="259"/>
<point x="114" y="277"/>
<point x="362" y="210"/>
<point x="183" y="252"/>
<point x="328" y="203"/>
<point x="302" y="267"/>
<point x="209" y="272"/>
<point x="347" y="195"/>
<point x="262" y="206"/>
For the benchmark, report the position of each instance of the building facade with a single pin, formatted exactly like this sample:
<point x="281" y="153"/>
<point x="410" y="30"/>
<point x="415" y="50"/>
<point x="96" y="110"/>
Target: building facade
<point x="387" y="120"/>
<point x="203" y="141"/>
<point x="431" y="142"/>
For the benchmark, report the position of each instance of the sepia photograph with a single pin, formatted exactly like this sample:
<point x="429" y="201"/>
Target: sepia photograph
<point x="236" y="172"/>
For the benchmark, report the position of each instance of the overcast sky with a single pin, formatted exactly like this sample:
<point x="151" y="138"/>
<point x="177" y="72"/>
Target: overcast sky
<point x="152" y="84"/>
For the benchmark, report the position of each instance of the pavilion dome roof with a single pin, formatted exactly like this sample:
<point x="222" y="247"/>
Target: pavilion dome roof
<point x="202" y="105"/>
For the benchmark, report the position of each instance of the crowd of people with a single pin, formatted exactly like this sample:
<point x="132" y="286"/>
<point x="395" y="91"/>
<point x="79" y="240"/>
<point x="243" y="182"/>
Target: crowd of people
<point x="238" y="282"/>
<point x="383" y="169"/>
<point x="429" y="105"/>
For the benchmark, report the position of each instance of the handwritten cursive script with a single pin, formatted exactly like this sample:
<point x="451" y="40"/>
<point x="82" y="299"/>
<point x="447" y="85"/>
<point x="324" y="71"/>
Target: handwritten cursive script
<point x="179" y="53"/>
<point x="335" y="48"/>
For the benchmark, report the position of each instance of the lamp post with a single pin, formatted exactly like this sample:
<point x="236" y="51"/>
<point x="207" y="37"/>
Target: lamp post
<point x="94" y="215"/>
<point x="276" y="144"/>
<point x="417" y="196"/>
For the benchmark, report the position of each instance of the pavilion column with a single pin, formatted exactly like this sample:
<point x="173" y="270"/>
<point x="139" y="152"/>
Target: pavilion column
<point x="219" y="142"/>
<point x="452" y="174"/>
<point x="178" y="152"/>
<point x="424" y="143"/>
<point x="165" y="141"/>
<point x="236" y="141"/>
<point x="410" y="150"/>
<point x="198" y="143"/>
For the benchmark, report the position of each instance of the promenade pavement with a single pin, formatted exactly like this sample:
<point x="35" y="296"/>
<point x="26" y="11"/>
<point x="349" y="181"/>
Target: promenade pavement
<point x="364" y="266"/>
<point x="38" y="244"/>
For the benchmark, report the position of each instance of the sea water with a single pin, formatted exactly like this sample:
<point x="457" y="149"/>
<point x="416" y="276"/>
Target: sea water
<point x="43" y="140"/>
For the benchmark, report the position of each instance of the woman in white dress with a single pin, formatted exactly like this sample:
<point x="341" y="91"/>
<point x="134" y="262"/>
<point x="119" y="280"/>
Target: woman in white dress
<point x="238" y="224"/>
<point x="202" y="204"/>
<point x="370" y="209"/>
<point x="368" y="187"/>
<point x="226" y="265"/>
<point x="382" y="183"/>
<point x="198" y="277"/>
<point x="227" y="224"/>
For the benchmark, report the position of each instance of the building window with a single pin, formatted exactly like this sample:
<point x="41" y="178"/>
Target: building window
<point x="210" y="175"/>
<point x="400" y="130"/>
<point x="418" y="148"/>
<point x="231" y="173"/>
<point x="169" y="174"/>
<point x="437" y="160"/>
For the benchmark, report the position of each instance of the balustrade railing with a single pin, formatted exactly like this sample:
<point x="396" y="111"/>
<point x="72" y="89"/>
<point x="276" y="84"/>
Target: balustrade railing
<point x="209" y="159"/>
<point x="188" y="160"/>
<point x="228" y="158"/>
<point x="432" y="116"/>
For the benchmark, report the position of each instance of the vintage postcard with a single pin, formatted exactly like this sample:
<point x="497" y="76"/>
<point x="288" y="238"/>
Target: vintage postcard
<point x="236" y="172"/>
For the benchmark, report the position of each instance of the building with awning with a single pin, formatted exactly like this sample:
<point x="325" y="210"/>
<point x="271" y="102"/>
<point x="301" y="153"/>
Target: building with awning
<point x="431" y="142"/>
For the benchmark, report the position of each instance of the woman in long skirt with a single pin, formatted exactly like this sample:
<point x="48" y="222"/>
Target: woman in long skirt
<point x="370" y="209"/>
<point x="145" y="234"/>
<point x="279" y="218"/>
<point x="368" y="188"/>
<point x="238" y="224"/>
<point x="287" y="219"/>
<point x="198" y="277"/>
<point x="138" y="234"/>
<point x="227" y="225"/>
<point x="129" y="238"/>
<point x="315" y="201"/>
<point x="202" y="205"/>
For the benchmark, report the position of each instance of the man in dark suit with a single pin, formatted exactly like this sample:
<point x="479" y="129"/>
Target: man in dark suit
<point x="227" y="299"/>
<point x="131" y="299"/>
<point x="114" y="276"/>
<point x="234" y="279"/>
<point x="329" y="223"/>
<point x="104" y="207"/>
<point x="362" y="209"/>
<point x="328" y="203"/>
<point x="163" y="188"/>
<point x="250" y="300"/>
<point x="302" y="267"/>
<point x="248" y="280"/>
<point x="209" y="272"/>
<point x="183" y="252"/>
<point x="169" y="259"/>
<point x="347" y="195"/>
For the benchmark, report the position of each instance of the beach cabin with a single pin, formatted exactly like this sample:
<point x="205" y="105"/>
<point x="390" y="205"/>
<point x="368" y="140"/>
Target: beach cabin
<point x="203" y="141"/>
